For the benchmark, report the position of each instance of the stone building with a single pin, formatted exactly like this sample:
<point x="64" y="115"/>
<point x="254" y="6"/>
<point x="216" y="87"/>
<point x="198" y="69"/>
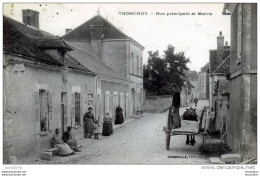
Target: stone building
<point x="203" y="81"/>
<point x="43" y="90"/>
<point x="218" y="59"/>
<point x="242" y="126"/>
<point x="117" y="50"/>
<point x="50" y="82"/>
<point x="192" y="77"/>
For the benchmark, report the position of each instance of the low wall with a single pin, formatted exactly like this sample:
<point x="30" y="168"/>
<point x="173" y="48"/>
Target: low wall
<point x="157" y="103"/>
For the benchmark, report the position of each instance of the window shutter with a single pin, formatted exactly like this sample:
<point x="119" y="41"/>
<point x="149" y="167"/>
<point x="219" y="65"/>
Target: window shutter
<point x="73" y="110"/>
<point x="36" y="112"/>
<point x="81" y="110"/>
<point x="50" y="109"/>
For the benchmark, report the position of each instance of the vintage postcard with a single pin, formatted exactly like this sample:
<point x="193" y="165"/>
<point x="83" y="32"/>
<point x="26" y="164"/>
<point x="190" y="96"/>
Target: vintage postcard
<point x="130" y="83"/>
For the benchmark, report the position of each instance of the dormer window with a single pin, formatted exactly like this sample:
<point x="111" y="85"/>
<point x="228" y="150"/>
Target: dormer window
<point x="61" y="54"/>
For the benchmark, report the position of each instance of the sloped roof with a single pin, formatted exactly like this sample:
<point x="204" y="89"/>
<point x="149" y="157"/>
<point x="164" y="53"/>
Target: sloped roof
<point x="83" y="32"/>
<point x="93" y="63"/>
<point x="224" y="66"/>
<point x="21" y="39"/>
<point x="213" y="58"/>
<point x="24" y="40"/>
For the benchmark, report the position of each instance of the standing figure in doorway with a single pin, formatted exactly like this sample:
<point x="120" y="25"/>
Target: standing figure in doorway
<point x="196" y="101"/>
<point x="89" y="123"/>
<point x="107" y="125"/>
<point x="119" y="115"/>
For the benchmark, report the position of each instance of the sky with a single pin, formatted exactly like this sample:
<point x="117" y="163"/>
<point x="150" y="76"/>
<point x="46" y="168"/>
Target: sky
<point x="154" y="27"/>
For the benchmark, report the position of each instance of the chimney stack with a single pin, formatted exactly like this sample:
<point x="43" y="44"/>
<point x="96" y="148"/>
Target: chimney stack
<point x="226" y="44"/>
<point x="68" y="30"/>
<point x="220" y="48"/>
<point x="96" y="32"/>
<point x="31" y="17"/>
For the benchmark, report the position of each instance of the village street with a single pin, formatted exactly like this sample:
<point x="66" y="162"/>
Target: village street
<point x="140" y="141"/>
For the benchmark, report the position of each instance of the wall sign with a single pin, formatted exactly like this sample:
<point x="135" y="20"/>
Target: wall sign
<point x="19" y="68"/>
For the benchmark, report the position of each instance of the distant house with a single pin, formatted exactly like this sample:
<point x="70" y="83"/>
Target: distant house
<point x="218" y="68"/>
<point x="104" y="41"/>
<point x="203" y="79"/>
<point x="43" y="90"/>
<point x="242" y="124"/>
<point x="192" y="76"/>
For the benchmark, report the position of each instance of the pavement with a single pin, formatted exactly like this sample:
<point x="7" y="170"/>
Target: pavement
<point x="138" y="141"/>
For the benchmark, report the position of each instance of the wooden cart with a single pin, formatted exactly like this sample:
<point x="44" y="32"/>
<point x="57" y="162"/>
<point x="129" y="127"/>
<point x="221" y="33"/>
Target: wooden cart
<point x="194" y="128"/>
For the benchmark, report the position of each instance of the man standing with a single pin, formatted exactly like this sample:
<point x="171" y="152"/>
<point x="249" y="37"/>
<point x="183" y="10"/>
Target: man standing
<point x="67" y="138"/>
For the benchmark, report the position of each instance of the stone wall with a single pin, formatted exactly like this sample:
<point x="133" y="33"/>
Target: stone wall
<point x="157" y="103"/>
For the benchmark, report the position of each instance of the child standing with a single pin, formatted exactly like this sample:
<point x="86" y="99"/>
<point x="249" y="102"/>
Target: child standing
<point x="96" y="130"/>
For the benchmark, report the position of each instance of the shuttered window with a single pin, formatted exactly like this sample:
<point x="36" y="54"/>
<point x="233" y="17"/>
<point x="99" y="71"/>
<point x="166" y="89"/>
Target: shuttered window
<point x="43" y="108"/>
<point x="44" y="119"/>
<point x="77" y="109"/>
<point x="36" y="112"/>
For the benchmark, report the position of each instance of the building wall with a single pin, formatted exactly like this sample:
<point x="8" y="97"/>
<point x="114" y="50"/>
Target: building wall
<point x="157" y="103"/>
<point x="114" y="54"/>
<point x="19" y="108"/>
<point x="203" y="85"/>
<point x="136" y="90"/>
<point x="126" y="57"/>
<point x="115" y="90"/>
<point x="243" y="103"/>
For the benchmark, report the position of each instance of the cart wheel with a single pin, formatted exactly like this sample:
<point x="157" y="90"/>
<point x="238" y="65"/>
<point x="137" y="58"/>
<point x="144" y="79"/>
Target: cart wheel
<point x="168" y="133"/>
<point x="168" y="139"/>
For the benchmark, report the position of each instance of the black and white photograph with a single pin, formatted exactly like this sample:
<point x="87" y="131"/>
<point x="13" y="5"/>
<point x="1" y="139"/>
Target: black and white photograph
<point x="130" y="84"/>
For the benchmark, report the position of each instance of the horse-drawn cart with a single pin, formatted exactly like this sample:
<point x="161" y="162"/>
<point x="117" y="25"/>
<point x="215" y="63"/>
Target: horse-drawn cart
<point x="189" y="124"/>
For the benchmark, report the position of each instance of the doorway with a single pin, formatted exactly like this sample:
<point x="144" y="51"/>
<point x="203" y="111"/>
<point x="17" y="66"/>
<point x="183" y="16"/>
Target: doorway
<point x="133" y="100"/>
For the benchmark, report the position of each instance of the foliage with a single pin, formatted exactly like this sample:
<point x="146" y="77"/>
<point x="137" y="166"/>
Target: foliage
<point x="162" y="74"/>
<point x="205" y="68"/>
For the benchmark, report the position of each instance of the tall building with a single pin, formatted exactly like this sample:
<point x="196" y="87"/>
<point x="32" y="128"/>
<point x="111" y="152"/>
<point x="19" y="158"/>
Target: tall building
<point x="242" y="124"/>
<point x="119" y="51"/>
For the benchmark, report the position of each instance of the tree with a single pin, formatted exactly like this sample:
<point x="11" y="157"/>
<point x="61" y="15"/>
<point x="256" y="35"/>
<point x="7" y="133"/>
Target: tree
<point x="161" y="74"/>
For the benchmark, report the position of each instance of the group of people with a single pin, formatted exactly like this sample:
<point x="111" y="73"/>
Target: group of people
<point x="66" y="144"/>
<point x="93" y="127"/>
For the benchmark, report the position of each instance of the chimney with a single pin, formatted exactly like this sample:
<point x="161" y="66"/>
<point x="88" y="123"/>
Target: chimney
<point x="226" y="44"/>
<point x="96" y="32"/>
<point x="31" y="17"/>
<point x="67" y="30"/>
<point x="220" y="48"/>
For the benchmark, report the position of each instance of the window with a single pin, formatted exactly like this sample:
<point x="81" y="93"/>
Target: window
<point x="44" y="110"/>
<point x="77" y="109"/>
<point x="239" y="32"/>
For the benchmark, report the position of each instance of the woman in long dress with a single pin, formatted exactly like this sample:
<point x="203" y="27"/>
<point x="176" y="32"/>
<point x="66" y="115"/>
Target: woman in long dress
<point x="119" y="115"/>
<point x="107" y="125"/>
<point x="89" y="123"/>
